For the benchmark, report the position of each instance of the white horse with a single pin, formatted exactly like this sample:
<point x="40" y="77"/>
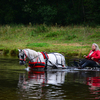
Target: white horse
<point x="56" y="60"/>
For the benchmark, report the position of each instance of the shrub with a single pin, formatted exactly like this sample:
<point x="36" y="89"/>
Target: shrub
<point x="52" y="34"/>
<point x="32" y="33"/>
<point x="5" y="51"/>
<point x="70" y="37"/>
<point x="41" y="28"/>
<point x="14" y="52"/>
<point x="95" y="35"/>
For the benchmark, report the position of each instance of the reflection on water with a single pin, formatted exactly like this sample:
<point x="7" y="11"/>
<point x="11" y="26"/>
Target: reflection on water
<point x="94" y="83"/>
<point x="59" y="85"/>
<point x="50" y="85"/>
<point x="41" y="84"/>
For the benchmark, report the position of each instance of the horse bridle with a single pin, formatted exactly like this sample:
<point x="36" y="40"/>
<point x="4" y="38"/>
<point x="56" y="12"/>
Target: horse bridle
<point x="24" y="54"/>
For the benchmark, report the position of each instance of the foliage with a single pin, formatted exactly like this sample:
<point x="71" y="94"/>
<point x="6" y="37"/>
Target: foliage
<point x="95" y="35"/>
<point x="47" y="14"/>
<point x="41" y="28"/>
<point x="60" y="12"/>
<point x="71" y="36"/>
<point x="68" y="40"/>
<point x="5" y="51"/>
<point x="14" y="52"/>
<point x="52" y="34"/>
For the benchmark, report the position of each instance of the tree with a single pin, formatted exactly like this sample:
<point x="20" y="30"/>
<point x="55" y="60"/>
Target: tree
<point x="62" y="12"/>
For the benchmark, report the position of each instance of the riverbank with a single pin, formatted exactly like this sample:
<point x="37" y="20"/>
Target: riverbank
<point x="70" y="40"/>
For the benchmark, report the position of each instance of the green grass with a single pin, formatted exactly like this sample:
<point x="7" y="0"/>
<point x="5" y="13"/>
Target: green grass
<point x="68" y="40"/>
<point x="37" y="45"/>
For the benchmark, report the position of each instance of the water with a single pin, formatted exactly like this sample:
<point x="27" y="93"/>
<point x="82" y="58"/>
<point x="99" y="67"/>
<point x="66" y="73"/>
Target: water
<point x="16" y="84"/>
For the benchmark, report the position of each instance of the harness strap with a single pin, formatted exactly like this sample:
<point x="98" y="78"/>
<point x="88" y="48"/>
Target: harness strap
<point x="37" y="58"/>
<point x="25" y="55"/>
<point x="45" y="57"/>
<point x="61" y="61"/>
<point x="40" y="64"/>
<point x="36" y="64"/>
<point x="57" y="59"/>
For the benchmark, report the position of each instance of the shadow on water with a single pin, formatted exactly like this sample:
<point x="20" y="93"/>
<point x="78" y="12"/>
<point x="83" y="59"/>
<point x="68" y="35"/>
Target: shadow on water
<point x="18" y="84"/>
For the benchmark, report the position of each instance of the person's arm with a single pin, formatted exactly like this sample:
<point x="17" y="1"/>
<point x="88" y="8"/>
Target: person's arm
<point x="88" y="55"/>
<point x="98" y="55"/>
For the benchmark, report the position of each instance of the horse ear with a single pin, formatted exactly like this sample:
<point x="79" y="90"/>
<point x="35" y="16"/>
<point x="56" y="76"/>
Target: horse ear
<point x="19" y="50"/>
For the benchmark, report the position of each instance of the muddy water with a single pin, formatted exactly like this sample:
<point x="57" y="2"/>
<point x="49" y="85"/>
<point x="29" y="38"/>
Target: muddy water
<point x="17" y="84"/>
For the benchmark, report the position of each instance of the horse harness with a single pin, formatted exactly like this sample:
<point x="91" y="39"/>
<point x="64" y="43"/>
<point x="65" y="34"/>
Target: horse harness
<point x="57" y="59"/>
<point x="40" y="64"/>
<point x="44" y="64"/>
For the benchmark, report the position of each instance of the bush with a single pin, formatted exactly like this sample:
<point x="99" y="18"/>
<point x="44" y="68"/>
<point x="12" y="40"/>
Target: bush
<point x="41" y="28"/>
<point x="52" y="34"/>
<point x="95" y="35"/>
<point x="14" y="52"/>
<point x="33" y="33"/>
<point x="70" y="37"/>
<point x="5" y="51"/>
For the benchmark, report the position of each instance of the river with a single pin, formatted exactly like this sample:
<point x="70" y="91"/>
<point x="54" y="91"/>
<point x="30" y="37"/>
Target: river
<point x="17" y="84"/>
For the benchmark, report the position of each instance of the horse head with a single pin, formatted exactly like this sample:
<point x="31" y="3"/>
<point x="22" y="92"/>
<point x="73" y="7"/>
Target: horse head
<point x="22" y="56"/>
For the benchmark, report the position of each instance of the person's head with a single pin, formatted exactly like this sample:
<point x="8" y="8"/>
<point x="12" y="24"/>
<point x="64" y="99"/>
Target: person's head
<point x="95" y="46"/>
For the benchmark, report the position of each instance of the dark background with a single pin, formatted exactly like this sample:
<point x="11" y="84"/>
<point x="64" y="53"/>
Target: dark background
<point x="50" y="12"/>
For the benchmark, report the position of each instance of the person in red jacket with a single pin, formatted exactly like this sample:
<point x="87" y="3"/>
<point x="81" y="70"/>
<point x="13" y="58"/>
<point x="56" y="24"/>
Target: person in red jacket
<point x="93" y="58"/>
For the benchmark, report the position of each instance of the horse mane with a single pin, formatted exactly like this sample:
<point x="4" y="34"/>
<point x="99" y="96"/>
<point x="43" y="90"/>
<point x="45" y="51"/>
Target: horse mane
<point x="32" y="52"/>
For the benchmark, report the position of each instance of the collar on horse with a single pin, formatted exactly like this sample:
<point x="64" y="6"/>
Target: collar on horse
<point x="45" y="55"/>
<point x="40" y="64"/>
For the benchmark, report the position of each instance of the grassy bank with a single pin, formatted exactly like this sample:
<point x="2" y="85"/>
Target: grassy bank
<point x="70" y="40"/>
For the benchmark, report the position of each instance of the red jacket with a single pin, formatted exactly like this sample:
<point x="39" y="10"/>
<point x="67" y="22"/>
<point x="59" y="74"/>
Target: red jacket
<point x="95" y="55"/>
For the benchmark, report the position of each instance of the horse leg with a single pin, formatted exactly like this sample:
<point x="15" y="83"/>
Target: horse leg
<point x="63" y="62"/>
